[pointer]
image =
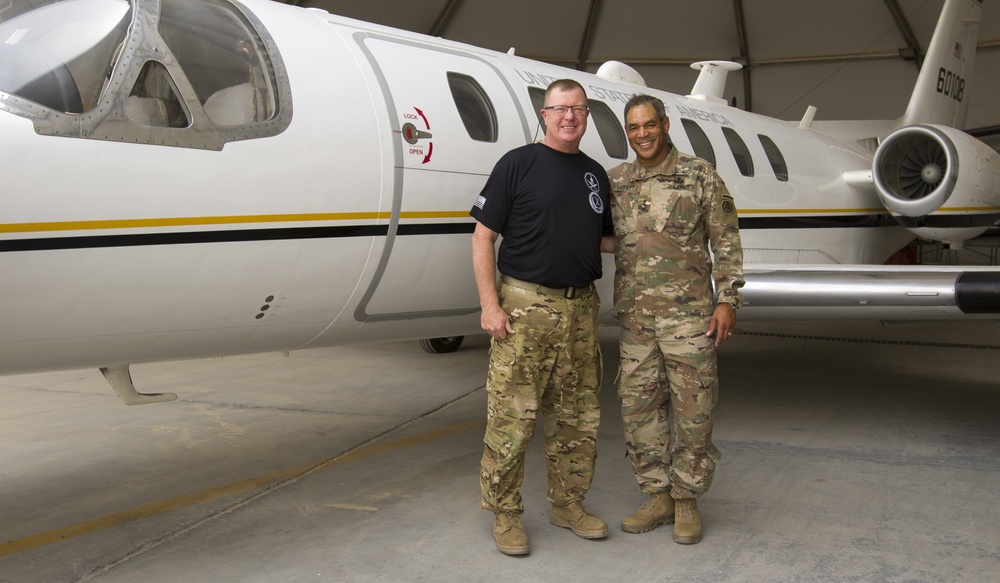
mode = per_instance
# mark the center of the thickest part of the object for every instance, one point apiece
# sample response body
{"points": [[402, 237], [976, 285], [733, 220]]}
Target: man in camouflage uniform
{"points": [[669, 209], [550, 201]]}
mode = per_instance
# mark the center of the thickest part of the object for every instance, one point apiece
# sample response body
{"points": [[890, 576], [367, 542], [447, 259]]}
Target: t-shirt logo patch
{"points": [[480, 202], [596, 203], [595, 188]]}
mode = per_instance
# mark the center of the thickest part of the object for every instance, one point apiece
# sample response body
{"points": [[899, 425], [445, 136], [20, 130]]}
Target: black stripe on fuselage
{"points": [[949, 221], [231, 236], [957, 221], [286, 234], [819, 222]]}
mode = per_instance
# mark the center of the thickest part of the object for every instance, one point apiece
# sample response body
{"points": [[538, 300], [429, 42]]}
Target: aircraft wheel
{"points": [[442, 345]]}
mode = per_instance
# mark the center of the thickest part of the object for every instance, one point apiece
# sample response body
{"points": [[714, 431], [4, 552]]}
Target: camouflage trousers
{"points": [[552, 364], [669, 365]]}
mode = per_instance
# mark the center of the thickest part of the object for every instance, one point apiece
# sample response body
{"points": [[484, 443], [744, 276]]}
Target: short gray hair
{"points": [[643, 99], [564, 85]]}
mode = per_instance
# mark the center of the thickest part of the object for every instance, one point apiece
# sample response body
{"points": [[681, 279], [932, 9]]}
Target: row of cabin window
{"points": [[479, 117], [744, 161]]}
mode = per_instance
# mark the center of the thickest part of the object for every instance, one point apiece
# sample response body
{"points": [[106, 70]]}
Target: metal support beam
{"points": [[741, 34], [443, 17], [903, 24], [588, 34]]}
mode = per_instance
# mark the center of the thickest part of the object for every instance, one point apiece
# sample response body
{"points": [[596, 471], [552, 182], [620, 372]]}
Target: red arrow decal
{"points": [[430, 150], [421, 114]]}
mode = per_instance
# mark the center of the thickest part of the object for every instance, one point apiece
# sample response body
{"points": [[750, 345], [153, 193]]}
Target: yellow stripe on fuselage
{"points": [[120, 224], [226, 220], [964, 209]]}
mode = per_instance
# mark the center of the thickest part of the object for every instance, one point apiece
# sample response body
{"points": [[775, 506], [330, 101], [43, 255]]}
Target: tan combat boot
{"points": [[659, 509], [687, 527], [576, 517], [509, 533]]}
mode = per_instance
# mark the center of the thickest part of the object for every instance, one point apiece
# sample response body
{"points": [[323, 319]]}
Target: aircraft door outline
{"points": [[418, 139]]}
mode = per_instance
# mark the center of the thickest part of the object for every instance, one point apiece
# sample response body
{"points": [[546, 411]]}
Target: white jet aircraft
{"points": [[197, 178]]}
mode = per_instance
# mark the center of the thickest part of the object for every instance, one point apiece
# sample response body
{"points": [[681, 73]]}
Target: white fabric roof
{"points": [[842, 56]]}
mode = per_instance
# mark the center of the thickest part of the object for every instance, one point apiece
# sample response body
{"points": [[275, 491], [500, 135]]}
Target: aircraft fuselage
{"points": [[153, 225]]}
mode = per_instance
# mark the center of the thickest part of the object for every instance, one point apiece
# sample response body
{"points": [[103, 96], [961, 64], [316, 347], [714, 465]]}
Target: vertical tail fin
{"points": [[941, 94]]}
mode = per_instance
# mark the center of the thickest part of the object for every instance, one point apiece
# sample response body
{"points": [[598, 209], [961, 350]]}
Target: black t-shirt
{"points": [[552, 209]]}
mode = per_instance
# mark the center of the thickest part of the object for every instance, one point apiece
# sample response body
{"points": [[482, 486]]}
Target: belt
{"points": [[566, 292]]}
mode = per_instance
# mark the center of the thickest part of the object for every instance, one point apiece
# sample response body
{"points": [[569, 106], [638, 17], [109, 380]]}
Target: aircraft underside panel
{"points": [[823, 245], [169, 301]]}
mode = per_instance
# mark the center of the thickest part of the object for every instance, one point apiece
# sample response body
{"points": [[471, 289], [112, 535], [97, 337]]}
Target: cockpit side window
{"points": [[153, 101], [223, 58]]}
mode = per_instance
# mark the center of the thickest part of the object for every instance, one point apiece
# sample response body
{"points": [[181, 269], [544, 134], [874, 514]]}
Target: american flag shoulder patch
{"points": [[480, 201]]}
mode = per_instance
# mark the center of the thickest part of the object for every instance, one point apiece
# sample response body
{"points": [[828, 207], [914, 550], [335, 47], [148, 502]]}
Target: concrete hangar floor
{"points": [[850, 453]]}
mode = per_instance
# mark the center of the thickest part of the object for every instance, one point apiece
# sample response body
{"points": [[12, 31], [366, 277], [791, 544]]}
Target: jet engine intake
{"points": [[939, 182]]}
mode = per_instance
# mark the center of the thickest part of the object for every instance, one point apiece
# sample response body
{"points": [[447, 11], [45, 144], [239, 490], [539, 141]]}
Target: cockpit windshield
{"points": [[182, 73], [222, 57], [59, 53]]}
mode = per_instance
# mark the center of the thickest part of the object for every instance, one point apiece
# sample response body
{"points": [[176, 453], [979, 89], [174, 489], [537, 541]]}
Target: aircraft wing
{"points": [[885, 292]]}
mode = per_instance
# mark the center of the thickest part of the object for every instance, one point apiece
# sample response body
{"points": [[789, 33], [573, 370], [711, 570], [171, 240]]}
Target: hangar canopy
{"points": [[852, 59]]}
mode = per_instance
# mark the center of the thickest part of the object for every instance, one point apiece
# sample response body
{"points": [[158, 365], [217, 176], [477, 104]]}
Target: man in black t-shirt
{"points": [[550, 201]]}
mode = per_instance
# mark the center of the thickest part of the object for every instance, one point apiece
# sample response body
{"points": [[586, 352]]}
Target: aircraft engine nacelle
{"points": [[938, 182]]}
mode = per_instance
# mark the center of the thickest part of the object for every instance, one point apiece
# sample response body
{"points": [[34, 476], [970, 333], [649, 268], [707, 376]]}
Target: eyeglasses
{"points": [[577, 110]]}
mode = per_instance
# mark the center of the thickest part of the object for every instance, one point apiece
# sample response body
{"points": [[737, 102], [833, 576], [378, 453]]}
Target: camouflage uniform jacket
{"points": [[665, 220]]}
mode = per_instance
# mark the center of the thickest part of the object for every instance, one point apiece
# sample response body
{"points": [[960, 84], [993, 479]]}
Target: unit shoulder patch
{"points": [[728, 204]]}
